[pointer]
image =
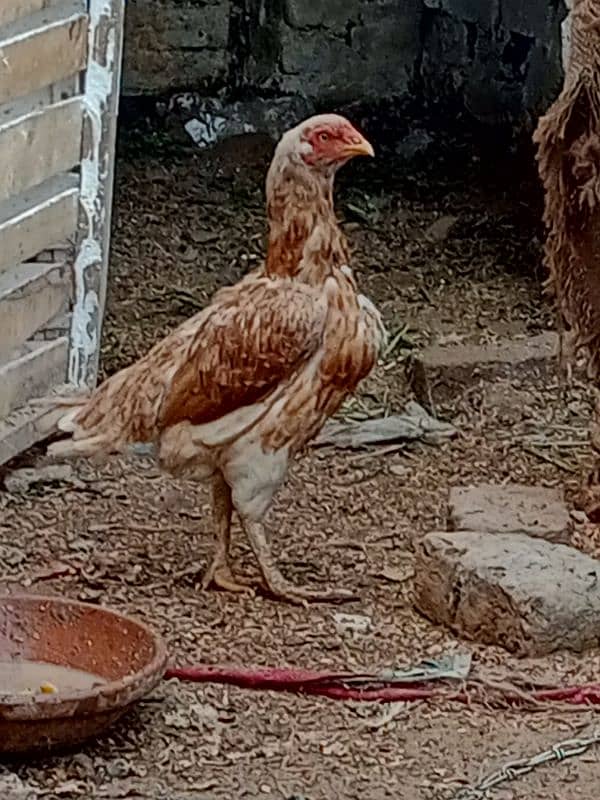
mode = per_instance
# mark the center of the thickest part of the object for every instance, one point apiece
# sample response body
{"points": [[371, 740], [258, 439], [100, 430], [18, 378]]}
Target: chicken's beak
{"points": [[359, 147]]}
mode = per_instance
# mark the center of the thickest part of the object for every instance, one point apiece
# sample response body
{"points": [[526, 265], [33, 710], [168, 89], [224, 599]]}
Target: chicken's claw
{"points": [[276, 585], [221, 576], [299, 595]]}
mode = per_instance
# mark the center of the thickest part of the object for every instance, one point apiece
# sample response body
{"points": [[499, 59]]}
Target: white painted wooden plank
{"points": [[91, 264], [11, 10], [30, 296], [38, 219], [39, 367], [55, 328], [40, 99], [49, 51], [20, 430], [40, 145]]}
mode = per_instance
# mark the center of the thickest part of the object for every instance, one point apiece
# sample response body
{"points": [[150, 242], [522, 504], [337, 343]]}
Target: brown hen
{"points": [[236, 390]]}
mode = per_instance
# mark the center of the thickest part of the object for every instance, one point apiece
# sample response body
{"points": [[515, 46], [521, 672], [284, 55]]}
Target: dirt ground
{"points": [[185, 224]]}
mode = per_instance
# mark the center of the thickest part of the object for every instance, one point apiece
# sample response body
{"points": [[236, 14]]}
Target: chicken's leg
{"points": [[277, 585], [219, 572]]}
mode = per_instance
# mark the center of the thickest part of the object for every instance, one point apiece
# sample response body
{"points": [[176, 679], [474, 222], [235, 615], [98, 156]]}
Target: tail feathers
{"points": [[103, 439], [60, 414], [107, 420], [72, 448], [67, 423], [99, 445]]}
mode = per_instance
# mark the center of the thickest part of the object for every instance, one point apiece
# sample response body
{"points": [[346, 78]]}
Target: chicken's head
{"points": [[325, 142]]}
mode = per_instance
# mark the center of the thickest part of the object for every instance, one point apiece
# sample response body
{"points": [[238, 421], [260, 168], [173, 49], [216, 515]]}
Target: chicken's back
{"points": [[248, 342]]}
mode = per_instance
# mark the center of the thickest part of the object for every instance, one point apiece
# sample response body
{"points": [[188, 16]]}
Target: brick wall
{"points": [[499, 57]]}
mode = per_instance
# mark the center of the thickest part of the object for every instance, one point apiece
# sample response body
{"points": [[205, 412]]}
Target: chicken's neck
{"points": [[305, 240]]}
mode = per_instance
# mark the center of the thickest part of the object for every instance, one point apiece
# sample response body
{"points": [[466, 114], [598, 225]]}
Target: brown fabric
{"points": [[568, 142]]}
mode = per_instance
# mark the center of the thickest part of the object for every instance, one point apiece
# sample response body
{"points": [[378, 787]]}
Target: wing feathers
{"points": [[252, 338]]}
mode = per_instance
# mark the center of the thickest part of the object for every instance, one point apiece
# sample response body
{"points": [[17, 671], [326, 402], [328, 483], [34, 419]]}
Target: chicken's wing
{"points": [[251, 339]]}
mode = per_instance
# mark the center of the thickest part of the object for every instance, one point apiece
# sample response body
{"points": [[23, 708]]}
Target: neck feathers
{"points": [[305, 240]]}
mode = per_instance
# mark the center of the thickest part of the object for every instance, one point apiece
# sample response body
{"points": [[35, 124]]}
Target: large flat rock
{"points": [[535, 510], [442, 372], [527, 595]]}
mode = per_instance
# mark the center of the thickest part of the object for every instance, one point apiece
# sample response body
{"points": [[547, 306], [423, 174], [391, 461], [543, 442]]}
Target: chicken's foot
{"points": [[219, 571], [275, 582]]}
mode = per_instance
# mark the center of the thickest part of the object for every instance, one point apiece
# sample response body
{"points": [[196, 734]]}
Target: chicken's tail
{"points": [[62, 415], [102, 422], [59, 415]]}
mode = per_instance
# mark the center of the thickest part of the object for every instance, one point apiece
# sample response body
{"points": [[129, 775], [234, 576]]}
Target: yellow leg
{"points": [[276, 584], [219, 572]]}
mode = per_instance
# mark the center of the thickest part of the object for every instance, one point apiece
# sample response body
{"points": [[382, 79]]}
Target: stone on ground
{"points": [[442, 372], [527, 595], [534, 510]]}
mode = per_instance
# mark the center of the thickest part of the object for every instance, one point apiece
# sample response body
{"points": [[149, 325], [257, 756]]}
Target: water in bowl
{"points": [[38, 677]]}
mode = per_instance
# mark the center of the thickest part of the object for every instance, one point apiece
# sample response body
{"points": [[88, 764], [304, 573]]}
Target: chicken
{"points": [[234, 392]]}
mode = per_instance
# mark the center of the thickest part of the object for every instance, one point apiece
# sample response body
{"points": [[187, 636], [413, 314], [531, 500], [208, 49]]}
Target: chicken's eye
{"points": [[324, 137]]}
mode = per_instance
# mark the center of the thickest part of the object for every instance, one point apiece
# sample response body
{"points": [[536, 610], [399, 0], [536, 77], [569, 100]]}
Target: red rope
{"points": [[339, 686], [588, 695]]}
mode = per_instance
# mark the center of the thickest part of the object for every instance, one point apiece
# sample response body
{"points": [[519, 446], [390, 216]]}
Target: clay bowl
{"points": [[119, 659]]}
